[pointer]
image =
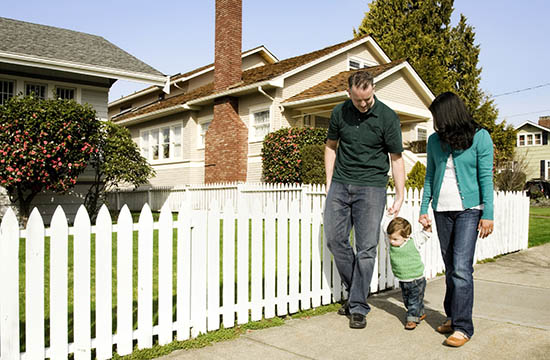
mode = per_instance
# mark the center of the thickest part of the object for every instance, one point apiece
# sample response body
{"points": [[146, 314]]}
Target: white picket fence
{"points": [[201, 196], [288, 268]]}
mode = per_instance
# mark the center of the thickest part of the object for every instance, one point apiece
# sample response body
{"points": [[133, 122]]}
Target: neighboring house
{"points": [[532, 145], [59, 63], [211, 127]]}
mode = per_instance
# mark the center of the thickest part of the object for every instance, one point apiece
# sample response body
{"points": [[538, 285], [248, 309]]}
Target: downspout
{"points": [[261, 91]]}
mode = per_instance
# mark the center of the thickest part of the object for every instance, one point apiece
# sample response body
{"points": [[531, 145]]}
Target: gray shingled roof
{"points": [[53, 43]]}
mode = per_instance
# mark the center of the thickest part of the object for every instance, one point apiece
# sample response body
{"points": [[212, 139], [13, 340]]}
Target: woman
{"points": [[459, 183]]}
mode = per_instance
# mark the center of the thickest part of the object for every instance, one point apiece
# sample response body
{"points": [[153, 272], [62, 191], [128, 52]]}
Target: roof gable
{"points": [[23, 41], [339, 82], [530, 123]]}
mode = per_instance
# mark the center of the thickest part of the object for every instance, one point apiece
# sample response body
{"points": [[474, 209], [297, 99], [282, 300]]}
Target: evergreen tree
{"points": [[445, 57]]}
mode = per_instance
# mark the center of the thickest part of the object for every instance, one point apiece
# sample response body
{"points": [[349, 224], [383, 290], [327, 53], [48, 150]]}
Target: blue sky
{"points": [[178, 36]]}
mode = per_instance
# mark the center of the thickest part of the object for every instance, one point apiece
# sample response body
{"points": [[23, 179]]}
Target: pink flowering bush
{"points": [[281, 153], [44, 145]]}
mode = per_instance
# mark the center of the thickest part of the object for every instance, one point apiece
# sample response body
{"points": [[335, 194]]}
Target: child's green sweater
{"points": [[406, 262]]}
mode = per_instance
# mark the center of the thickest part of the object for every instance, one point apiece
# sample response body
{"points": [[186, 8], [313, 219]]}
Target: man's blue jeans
{"points": [[362, 208], [457, 232]]}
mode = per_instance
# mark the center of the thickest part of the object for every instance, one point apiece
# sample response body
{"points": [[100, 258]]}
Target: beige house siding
{"points": [[399, 89], [98, 99], [529, 129], [253, 61], [364, 53], [254, 173], [303, 80], [533, 155]]}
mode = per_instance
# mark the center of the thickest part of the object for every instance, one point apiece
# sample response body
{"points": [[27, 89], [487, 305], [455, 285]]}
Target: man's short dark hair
{"points": [[361, 79]]}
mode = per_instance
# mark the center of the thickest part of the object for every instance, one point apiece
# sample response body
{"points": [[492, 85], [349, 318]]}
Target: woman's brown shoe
{"points": [[445, 328], [457, 339]]}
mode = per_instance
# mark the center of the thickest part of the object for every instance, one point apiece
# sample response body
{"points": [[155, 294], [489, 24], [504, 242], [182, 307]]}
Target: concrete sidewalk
{"points": [[511, 319]]}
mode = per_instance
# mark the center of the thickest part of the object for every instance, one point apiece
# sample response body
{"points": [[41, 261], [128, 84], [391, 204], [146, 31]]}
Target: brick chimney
{"points": [[544, 121], [226, 147]]}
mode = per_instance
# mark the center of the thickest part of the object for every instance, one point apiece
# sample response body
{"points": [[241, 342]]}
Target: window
{"points": [[307, 121], [39, 90], [203, 127], [356, 63], [163, 143], [6, 90], [421, 134], [529, 139], [316, 121], [260, 125], [321, 122], [64, 93], [176, 142], [521, 141]]}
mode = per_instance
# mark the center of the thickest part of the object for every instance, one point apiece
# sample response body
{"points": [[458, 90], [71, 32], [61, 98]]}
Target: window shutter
{"points": [[545, 138], [542, 169]]}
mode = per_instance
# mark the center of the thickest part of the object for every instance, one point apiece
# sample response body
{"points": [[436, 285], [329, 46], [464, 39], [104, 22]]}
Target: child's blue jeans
{"points": [[413, 297]]}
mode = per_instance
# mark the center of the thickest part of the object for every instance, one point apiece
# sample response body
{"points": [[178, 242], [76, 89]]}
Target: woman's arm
{"points": [[485, 181]]}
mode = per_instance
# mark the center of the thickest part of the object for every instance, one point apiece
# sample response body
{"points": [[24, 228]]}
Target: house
{"points": [[211, 127], [532, 145], [59, 63]]}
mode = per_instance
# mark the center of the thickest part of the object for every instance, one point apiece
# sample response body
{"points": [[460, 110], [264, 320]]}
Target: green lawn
{"points": [[539, 225]]}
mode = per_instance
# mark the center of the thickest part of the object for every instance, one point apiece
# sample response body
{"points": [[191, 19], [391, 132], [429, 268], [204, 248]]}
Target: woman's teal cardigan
{"points": [[474, 173]]}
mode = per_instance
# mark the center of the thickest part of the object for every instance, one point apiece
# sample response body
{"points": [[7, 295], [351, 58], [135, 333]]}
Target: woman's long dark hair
{"points": [[452, 121]]}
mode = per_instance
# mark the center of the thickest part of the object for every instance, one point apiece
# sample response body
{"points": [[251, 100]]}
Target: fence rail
{"points": [[213, 250], [202, 196]]}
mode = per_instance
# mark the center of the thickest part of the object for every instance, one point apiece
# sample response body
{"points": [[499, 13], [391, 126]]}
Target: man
{"points": [[362, 132]]}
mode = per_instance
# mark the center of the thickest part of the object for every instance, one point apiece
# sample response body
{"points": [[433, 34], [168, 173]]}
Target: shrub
{"points": [[44, 145], [281, 153], [415, 178], [313, 164], [510, 180], [417, 146]]}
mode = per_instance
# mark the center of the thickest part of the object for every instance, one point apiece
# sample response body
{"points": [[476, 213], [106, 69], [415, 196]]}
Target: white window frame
{"points": [[252, 122], [30, 83], [2, 93], [526, 136], [65, 89], [363, 63], [547, 170], [201, 137], [173, 143], [308, 121]]}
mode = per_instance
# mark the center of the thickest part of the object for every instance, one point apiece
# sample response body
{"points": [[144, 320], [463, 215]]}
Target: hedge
{"points": [[282, 153]]}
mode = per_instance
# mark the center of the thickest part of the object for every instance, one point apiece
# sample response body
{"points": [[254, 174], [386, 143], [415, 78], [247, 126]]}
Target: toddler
{"points": [[407, 266]]}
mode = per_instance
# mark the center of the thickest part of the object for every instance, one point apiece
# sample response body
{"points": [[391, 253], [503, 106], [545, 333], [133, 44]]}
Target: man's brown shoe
{"points": [[411, 325], [456, 340], [445, 328]]}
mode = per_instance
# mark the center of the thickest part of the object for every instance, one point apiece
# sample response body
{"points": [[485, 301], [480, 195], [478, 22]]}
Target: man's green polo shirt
{"points": [[365, 139]]}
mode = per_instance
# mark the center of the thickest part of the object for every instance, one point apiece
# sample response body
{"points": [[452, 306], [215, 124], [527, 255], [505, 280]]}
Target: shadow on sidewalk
{"points": [[392, 303]]}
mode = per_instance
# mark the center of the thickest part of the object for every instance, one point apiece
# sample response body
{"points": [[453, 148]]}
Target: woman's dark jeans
{"points": [[457, 231], [361, 207]]}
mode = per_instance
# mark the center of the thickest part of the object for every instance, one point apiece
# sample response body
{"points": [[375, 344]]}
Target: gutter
{"points": [[234, 91], [159, 80], [318, 98]]}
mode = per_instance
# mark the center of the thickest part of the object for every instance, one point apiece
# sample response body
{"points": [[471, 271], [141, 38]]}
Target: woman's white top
{"points": [[449, 196]]}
